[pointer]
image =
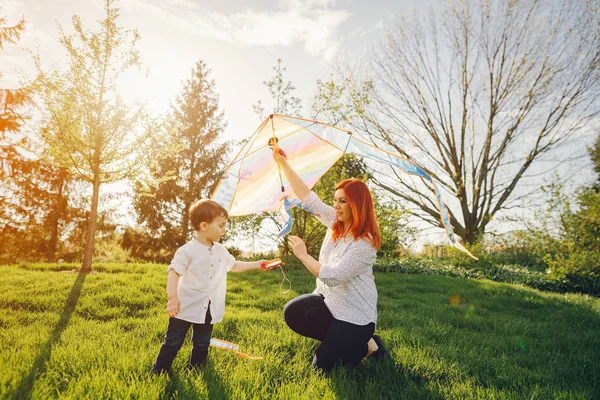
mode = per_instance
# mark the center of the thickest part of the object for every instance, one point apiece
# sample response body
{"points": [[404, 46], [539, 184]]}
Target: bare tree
{"points": [[88, 128], [486, 96]]}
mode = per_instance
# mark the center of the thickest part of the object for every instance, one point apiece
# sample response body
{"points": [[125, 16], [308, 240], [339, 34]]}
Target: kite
{"points": [[254, 183]]}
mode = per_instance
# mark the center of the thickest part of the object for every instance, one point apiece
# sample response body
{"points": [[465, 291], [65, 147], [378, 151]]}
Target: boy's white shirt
{"points": [[203, 278]]}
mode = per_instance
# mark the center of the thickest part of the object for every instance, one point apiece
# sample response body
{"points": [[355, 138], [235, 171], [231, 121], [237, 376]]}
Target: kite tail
{"points": [[222, 344], [462, 248]]}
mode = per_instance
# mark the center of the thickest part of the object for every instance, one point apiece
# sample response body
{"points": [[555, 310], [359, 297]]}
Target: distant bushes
{"points": [[489, 267], [533, 267]]}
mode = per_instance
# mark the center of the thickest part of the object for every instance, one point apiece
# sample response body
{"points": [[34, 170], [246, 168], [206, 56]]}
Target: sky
{"points": [[239, 40]]}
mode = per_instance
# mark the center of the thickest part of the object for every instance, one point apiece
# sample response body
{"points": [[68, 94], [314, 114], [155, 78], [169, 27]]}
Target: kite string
{"points": [[276, 148], [283, 280]]}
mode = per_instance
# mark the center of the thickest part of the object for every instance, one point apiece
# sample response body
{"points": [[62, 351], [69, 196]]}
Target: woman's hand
{"points": [[298, 246], [299, 249], [278, 156], [173, 306]]}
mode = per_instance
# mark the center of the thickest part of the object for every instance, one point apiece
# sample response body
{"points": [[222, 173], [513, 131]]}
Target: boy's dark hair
{"points": [[205, 210]]}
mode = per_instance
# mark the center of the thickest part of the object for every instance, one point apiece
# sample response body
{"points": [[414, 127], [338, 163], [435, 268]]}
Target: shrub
{"points": [[577, 269]]}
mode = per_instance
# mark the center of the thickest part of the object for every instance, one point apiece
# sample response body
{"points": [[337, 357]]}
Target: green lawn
{"points": [[65, 335]]}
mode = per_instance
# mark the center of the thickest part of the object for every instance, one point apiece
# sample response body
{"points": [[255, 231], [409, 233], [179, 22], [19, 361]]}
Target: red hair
{"points": [[363, 223]]}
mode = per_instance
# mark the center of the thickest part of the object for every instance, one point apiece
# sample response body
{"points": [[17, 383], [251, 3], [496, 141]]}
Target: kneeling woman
{"points": [[342, 311]]}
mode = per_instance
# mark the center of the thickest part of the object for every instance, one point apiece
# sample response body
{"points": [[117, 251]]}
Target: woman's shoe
{"points": [[382, 351]]}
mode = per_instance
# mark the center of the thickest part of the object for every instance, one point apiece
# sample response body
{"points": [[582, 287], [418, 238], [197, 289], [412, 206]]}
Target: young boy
{"points": [[196, 285]]}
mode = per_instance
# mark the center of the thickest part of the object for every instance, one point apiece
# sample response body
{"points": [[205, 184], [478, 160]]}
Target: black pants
{"points": [[342, 343], [174, 338]]}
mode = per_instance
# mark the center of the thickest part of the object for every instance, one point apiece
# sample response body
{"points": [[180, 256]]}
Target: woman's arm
{"points": [[299, 249], [300, 188]]}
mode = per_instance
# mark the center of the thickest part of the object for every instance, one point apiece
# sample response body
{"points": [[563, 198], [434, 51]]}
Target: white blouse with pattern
{"points": [[346, 279]]}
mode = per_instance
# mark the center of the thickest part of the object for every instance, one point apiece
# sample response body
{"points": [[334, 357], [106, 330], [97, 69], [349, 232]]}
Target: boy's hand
{"points": [[267, 265], [173, 306], [262, 264]]}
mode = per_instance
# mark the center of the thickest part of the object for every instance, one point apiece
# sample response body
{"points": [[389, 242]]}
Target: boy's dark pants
{"points": [[174, 338]]}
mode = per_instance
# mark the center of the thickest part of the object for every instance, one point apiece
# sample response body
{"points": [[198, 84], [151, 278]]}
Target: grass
{"points": [[66, 335]]}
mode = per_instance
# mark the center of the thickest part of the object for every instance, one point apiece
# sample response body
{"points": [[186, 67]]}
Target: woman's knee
{"points": [[292, 312], [297, 307]]}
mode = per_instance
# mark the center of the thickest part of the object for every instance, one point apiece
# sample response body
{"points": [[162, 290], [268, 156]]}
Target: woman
{"points": [[342, 311]]}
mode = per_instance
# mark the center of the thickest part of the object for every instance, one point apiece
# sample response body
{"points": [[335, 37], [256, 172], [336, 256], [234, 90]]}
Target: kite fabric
{"points": [[253, 182], [222, 344]]}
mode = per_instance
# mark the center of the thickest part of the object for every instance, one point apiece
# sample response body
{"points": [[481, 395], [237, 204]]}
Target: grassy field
{"points": [[66, 335]]}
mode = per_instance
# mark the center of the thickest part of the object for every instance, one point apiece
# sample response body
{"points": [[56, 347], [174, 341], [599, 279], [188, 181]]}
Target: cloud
{"points": [[310, 23]]}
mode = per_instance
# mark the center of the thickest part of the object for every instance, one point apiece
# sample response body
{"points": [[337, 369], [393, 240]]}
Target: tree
{"points": [[595, 155], [576, 257], [35, 194], [10, 121], [89, 129], [281, 94], [582, 226], [11, 100], [39, 194], [187, 168], [480, 96]]}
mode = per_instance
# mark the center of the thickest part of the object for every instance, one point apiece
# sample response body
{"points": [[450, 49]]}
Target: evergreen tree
{"points": [[10, 100], [186, 172]]}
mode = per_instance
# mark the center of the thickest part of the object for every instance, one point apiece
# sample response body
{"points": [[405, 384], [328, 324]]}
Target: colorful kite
{"points": [[253, 182]]}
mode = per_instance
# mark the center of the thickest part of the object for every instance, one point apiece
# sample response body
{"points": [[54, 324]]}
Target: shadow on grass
{"points": [[216, 388], [380, 379], [25, 385], [501, 339], [182, 385]]}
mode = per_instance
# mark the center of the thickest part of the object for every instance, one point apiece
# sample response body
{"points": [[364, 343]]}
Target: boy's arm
{"points": [[173, 304], [241, 266]]}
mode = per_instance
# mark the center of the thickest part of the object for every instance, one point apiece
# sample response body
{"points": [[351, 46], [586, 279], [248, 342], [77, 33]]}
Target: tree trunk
{"points": [[88, 254], [58, 214], [185, 217]]}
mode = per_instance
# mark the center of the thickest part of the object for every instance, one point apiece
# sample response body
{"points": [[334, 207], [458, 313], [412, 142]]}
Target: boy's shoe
{"points": [[195, 367], [382, 351], [154, 371]]}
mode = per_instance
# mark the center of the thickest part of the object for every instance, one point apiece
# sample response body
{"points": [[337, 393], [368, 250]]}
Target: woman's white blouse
{"points": [[346, 278]]}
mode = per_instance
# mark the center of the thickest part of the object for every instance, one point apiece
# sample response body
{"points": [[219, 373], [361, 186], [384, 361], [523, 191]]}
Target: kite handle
{"points": [[274, 263]]}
